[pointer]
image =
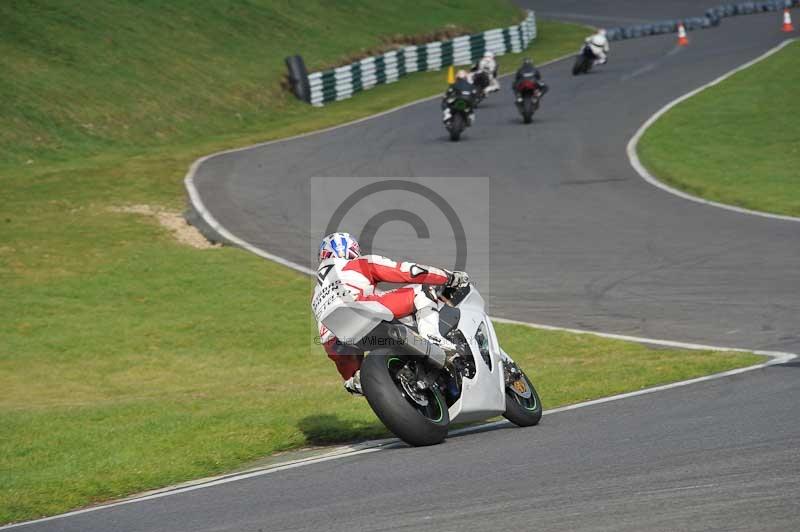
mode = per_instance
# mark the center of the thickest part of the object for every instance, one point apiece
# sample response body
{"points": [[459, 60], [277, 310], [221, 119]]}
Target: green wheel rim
{"points": [[441, 410]]}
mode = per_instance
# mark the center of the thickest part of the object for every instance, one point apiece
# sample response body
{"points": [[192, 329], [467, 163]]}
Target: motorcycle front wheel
{"points": [[523, 406], [416, 416]]}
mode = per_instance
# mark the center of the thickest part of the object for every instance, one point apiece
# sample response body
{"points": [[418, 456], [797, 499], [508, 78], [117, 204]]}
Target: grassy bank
{"points": [[737, 142], [129, 361]]}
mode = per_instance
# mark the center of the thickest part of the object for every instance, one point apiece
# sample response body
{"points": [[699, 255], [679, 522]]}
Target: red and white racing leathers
{"points": [[362, 276]]}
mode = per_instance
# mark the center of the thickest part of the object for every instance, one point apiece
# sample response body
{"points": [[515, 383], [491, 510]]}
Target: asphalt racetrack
{"points": [[578, 240]]}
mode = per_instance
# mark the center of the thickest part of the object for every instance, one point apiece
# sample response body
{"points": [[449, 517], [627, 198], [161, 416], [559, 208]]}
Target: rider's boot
{"points": [[353, 384], [446, 114]]}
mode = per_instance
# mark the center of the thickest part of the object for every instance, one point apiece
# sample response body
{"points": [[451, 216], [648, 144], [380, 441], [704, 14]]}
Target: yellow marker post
{"points": [[451, 75]]}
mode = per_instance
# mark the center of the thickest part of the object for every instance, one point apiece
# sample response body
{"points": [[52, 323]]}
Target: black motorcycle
{"points": [[460, 105]]}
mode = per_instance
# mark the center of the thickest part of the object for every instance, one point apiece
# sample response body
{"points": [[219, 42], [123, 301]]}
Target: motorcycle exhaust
{"points": [[412, 343]]}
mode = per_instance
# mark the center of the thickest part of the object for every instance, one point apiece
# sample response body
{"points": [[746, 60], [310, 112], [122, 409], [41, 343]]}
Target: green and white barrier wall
{"points": [[343, 82]]}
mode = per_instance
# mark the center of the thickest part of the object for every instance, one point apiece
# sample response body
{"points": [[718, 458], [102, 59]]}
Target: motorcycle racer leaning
{"points": [[361, 275], [528, 71], [598, 44], [488, 64], [464, 88]]}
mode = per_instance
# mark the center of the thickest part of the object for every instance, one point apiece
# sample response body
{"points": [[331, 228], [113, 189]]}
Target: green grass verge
{"points": [[128, 361], [737, 142]]}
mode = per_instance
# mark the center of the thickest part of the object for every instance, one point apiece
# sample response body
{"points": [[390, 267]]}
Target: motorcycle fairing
{"points": [[483, 395]]}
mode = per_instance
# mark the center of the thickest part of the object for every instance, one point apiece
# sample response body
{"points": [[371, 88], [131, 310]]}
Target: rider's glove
{"points": [[457, 279]]}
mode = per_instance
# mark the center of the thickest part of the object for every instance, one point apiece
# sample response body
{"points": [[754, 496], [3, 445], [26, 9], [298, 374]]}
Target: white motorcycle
{"points": [[412, 385]]}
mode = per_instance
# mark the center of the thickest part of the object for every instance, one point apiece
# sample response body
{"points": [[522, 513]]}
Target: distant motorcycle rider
{"points": [[528, 71], [360, 275], [488, 64], [598, 44], [463, 88]]}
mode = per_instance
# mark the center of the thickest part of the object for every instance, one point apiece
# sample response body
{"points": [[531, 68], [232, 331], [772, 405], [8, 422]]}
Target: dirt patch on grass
{"points": [[174, 221]]}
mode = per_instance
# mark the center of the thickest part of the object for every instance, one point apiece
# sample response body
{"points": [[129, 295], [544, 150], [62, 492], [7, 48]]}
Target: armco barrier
{"points": [[713, 17], [343, 82]]}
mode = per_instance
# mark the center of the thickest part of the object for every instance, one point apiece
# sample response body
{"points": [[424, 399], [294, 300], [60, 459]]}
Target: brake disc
{"points": [[413, 391]]}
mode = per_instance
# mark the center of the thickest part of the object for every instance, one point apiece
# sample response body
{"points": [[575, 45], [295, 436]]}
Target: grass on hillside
{"points": [[737, 142], [128, 361], [89, 77]]}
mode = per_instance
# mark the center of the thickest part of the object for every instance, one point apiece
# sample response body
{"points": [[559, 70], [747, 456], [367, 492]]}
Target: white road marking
{"points": [[647, 176], [679, 488], [638, 72], [651, 66]]}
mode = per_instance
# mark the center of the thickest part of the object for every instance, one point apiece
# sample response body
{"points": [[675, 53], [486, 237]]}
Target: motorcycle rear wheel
{"points": [[577, 68], [418, 421], [582, 65], [523, 411], [456, 127], [527, 110]]}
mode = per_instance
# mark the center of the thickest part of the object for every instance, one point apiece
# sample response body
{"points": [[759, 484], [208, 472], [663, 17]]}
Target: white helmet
{"points": [[488, 55], [339, 245], [602, 32]]}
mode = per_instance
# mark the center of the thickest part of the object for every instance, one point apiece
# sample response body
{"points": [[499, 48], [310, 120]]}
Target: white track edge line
{"points": [[637, 165], [779, 357]]}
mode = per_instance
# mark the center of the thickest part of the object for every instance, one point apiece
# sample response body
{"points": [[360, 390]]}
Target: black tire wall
{"points": [[298, 77]]}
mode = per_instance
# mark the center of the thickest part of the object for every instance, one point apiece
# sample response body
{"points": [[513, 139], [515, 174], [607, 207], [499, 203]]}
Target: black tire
{"points": [[582, 65], [577, 68], [520, 411], [456, 126], [408, 421], [527, 110], [298, 78]]}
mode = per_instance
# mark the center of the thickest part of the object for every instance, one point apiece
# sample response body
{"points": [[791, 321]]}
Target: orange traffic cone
{"points": [[683, 40], [787, 21]]}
